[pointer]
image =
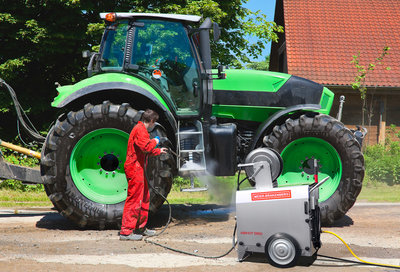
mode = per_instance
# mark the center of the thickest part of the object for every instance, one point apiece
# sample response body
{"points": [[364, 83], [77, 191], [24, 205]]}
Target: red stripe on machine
{"points": [[271, 195]]}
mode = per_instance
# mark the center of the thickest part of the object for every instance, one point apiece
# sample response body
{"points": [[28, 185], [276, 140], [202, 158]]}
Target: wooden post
{"points": [[382, 120]]}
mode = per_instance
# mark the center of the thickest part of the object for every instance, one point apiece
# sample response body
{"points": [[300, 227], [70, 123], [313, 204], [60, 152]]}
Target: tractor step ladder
{"points": [[191, 149]]}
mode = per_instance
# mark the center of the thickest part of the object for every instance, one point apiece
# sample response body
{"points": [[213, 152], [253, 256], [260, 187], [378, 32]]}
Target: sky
{"points": [[268, 8]]}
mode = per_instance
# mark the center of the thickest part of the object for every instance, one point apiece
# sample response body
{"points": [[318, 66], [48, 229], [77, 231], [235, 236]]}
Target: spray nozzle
{"points": [[165, 142]]}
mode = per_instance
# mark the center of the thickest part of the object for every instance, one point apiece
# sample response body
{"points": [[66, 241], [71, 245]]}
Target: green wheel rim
{"points": [[298, 165], [97, 165]]}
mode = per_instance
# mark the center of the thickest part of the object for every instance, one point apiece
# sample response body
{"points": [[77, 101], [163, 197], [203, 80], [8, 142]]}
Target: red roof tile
{"points": [[323, 35]]}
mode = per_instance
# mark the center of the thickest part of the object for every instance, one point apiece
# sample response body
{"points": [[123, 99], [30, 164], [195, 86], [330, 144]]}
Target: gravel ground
{"points": [[39, 239]]}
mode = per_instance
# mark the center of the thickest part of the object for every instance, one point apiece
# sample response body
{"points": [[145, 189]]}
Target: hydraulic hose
{"points": [[351, 251], [146, 239], [29, 127]]}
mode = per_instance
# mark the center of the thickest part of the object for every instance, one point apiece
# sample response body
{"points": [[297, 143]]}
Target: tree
{"points": [[259, 65], [41, 43], [360, 83]]}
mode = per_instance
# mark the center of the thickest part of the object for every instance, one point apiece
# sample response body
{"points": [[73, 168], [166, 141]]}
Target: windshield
{"points": [[162, 51], [113, 47]]}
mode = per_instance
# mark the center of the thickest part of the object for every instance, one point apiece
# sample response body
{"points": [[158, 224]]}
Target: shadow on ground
{"points": [[191, 214], [181, 214]]}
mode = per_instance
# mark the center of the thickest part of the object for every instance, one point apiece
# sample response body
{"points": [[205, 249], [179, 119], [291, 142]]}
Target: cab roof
{"points": [[178, 17]]}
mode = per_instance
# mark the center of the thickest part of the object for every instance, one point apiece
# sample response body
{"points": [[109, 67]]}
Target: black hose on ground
{"points": [[146, 239]]}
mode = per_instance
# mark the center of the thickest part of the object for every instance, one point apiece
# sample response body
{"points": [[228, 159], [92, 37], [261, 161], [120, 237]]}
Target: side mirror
{"points": [[216, 32], [195, 89]]}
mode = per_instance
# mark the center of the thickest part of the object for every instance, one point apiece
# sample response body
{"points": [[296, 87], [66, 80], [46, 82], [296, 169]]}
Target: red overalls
{"points": [[137, 202]]}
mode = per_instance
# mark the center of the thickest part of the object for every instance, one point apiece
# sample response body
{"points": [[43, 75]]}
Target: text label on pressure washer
{"points": [[283, 194]]}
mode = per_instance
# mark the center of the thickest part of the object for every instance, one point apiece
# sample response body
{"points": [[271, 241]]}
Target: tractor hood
{"points": [[252, 95]]}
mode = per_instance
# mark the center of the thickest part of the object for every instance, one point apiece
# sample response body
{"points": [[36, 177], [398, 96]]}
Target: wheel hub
{"points": [[282, 251], [307, 166], [109, 162]]}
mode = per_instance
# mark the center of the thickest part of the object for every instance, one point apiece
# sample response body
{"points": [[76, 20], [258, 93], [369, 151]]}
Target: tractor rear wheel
{"points": [[83, 158], [321, 137]]}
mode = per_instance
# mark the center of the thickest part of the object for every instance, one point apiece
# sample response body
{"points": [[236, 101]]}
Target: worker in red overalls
{"points": [[136, 209]]}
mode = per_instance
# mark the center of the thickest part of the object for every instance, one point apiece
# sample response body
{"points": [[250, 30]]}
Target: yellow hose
{"points": [[21, 149], [351, 251]]}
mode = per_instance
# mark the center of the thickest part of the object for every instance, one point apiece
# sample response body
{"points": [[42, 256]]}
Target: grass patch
{"points": [[12, 198], [221, 191], [177, 197], [380, 192]]}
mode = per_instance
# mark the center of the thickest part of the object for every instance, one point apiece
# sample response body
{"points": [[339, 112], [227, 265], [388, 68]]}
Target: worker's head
{"points": [[149, 117]]}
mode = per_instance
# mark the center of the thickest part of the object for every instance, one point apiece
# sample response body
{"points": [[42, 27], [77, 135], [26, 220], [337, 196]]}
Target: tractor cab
{"points": [[160, 49]]}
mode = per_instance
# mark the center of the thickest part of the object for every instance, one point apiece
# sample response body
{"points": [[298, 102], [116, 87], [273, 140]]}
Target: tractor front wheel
{"points": [[320, 137], [83, 160]]}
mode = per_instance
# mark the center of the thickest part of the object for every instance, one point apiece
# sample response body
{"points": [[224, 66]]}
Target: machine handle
{"points": [[319, 184]]}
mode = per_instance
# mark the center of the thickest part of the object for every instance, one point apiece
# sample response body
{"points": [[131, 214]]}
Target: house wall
{"points": [[385, 111]]}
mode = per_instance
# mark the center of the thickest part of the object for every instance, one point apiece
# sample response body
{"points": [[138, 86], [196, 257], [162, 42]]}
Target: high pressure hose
{"points": [[351, 251], [146, 239], [29, 127]]}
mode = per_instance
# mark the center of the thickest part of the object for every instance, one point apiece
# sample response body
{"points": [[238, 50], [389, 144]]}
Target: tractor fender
{"points": [[157, 99], [278, 118]]}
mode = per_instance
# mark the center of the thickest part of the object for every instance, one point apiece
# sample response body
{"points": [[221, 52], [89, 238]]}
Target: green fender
{"points": [[69, 93], [275, 119], [112, 81]]}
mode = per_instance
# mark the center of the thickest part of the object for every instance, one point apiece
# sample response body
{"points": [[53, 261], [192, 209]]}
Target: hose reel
{"points": [[260, 155]]}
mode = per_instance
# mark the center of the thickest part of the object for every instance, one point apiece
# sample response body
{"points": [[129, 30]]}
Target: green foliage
{"points": [[361, 77], [259, 65], [382, 162], [363, 70], [18, 186]]}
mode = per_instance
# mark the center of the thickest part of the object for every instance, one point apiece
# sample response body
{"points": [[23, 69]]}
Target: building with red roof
{"points": [[320, 39]]}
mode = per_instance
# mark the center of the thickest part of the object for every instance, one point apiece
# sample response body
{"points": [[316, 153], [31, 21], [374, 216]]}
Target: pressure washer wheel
{"points": [[282, 250], [83, 160]]}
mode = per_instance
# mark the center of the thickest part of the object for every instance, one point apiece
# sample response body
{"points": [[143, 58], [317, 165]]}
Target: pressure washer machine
{"points": [[284, 222]]}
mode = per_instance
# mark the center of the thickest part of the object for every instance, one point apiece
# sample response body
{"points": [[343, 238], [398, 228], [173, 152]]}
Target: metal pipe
{"points": [[21, 149], [341, 102]]}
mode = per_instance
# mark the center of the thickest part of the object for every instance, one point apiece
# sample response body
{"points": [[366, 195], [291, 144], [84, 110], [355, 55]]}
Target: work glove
{"points": [[158, 142]]}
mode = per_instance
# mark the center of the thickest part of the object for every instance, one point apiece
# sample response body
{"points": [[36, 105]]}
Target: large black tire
{"points": [[343, 141], [55, 164]]}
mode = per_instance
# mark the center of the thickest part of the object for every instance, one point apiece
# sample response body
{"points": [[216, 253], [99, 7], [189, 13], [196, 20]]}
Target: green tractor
{"points": [[212, 118]]}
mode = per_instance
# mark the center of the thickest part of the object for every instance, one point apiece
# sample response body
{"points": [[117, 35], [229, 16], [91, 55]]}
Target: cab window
{"points": [[162, 51], [113, 47]]}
